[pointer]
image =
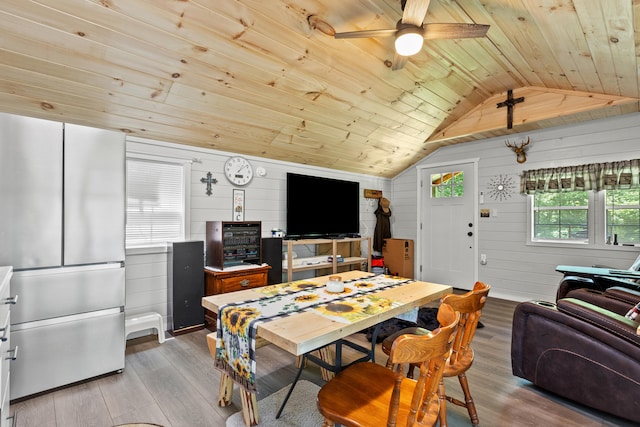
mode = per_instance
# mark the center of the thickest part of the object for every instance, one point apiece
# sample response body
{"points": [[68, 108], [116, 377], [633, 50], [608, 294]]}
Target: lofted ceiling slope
{"points": [[268, 79]]}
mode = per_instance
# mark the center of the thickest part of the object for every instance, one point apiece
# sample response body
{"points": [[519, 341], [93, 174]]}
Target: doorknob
{"points": [[470, 234]]}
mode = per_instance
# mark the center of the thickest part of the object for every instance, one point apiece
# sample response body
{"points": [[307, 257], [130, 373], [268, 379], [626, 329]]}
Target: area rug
{"points": [[427, 318], [300, 411], [138, 425]]}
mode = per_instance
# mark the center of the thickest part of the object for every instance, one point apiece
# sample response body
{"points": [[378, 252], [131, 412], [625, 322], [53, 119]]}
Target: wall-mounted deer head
{"points": [[520, 150]]}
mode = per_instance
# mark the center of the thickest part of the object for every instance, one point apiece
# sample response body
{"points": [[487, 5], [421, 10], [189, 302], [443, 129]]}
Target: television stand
{"points": [[319, 262]]}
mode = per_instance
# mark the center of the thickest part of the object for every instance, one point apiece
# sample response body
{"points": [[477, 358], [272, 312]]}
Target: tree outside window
{"points": [[447, 184], [561, 216], [623, 215]]}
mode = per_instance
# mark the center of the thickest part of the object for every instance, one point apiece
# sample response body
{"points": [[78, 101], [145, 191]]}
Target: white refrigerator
{"points": [[62, 228]]}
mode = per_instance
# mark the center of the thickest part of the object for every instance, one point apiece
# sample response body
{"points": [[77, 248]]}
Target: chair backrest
{"points": [[469, 305], [430, 352]]}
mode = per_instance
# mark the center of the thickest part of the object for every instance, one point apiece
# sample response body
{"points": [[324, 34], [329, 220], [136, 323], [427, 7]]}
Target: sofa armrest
{"points": [[595, 278], [614, 323], [569, 283], [578, 351], [626, 295], [605, 300], [539, 326]]}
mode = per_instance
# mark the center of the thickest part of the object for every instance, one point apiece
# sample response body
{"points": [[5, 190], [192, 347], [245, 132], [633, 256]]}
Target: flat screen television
{"points": [[322, 207]]}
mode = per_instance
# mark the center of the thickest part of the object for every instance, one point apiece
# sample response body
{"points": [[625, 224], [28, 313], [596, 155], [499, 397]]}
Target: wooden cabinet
{"points": [[329, 260], [221, 281]]}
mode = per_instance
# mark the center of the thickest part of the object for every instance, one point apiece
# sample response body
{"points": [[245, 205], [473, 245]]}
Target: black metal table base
{"points": [[369, 354]]}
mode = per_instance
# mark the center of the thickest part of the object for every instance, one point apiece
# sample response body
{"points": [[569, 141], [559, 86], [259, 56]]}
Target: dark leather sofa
{"points": [[582, 348], [597, 277]]}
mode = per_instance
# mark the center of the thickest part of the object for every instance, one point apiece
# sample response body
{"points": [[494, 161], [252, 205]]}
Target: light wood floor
{"points": [[176, 385]]}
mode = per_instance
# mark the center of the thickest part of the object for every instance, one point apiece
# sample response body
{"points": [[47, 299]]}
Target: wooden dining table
{"points": [[307, 331]]}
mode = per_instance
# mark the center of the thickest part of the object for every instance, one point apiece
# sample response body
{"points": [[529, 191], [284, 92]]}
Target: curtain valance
{"points": [[595, 176]]}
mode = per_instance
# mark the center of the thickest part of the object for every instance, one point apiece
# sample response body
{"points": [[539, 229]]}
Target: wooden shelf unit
{"points": [[290, 268]]}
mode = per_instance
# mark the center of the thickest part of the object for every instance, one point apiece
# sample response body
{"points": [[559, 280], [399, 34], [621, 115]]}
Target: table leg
{"points": [[226, 390], [326, 355], [249, 408], [249, 400], [300, 360]]}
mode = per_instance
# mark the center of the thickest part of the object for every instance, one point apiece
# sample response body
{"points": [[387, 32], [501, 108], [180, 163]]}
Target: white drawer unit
{"points": [[68, 326], [52, 352]]}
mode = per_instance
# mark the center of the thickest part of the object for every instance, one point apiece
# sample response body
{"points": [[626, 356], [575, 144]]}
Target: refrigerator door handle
{"points": [[15, 354], [5, 329], [12, 300]]}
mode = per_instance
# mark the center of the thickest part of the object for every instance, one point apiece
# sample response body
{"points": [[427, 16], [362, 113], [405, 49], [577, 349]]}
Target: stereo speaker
{"points": [[272, 255], [186, 286]]}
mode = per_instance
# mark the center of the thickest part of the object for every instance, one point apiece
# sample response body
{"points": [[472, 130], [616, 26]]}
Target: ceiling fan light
{"points": [[409, 41]]}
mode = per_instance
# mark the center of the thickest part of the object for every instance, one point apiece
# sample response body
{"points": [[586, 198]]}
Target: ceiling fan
{"points": [[410, 31]]}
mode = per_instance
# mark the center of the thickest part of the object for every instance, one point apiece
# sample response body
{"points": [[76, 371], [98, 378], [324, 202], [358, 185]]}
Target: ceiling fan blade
{"points": [[454, 31], [365, 33], [399, 61], [415, 11]]}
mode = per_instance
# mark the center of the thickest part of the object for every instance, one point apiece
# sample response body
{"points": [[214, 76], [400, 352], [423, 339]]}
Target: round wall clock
{"points": [[238, 170], [501, 187]]}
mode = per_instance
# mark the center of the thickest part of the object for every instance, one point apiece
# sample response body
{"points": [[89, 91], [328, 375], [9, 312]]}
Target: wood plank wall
{"points": [[515, 270], [265, 200]]}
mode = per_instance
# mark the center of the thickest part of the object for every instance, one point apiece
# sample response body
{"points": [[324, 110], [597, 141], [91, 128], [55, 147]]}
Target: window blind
{"points": [[155, 203]]}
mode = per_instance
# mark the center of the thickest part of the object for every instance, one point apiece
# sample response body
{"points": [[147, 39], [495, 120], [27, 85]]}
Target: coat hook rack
{"points": [[372, 194], [209, 180]]}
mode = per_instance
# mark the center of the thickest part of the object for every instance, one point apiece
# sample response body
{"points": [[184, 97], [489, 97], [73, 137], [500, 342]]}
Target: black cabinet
{"points": [[186, 285], [233, 243]]}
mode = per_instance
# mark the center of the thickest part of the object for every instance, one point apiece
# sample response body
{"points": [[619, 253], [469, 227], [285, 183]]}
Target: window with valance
{"points": [[620, 175], [567, 202]]}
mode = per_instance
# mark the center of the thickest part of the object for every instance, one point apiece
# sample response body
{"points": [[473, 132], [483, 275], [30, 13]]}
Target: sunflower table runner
{"points": [[238, 322]]}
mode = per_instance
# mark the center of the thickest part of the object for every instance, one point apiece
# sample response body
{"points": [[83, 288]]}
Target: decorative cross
{"points": [[209, 180], [510, 102]]}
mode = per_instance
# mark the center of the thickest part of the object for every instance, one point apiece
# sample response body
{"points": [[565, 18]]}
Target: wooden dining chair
{"points": [[470, 306], [365, 394]]}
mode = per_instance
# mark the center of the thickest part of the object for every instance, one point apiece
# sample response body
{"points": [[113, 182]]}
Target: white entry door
{"points": [[448, 224]]}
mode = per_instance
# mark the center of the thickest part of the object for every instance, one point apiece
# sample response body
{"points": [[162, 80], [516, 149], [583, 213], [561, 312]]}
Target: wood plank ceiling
{"points": [[266, 78]]}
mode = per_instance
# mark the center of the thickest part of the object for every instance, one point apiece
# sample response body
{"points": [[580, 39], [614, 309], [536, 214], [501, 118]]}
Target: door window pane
{"points": [[447, 184]]}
